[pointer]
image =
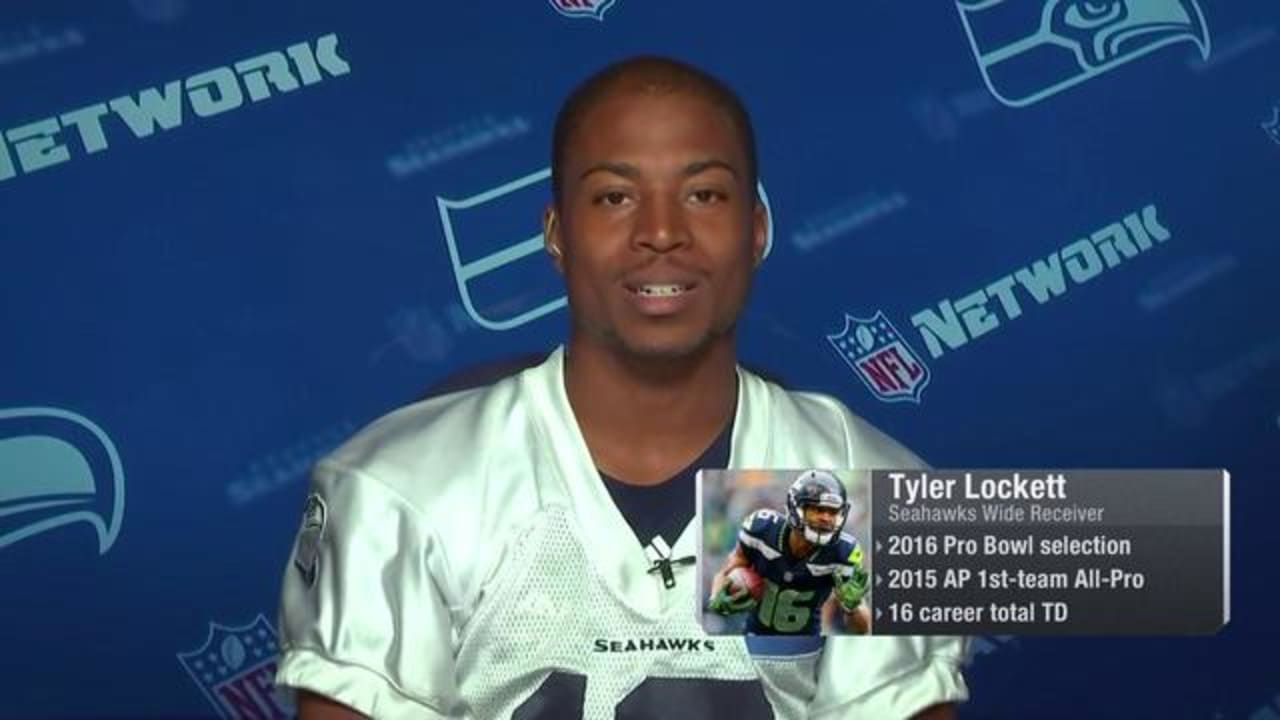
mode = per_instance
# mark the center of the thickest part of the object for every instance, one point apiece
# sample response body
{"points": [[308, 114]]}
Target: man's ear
{"points": [[759, 231], [551, 236]]}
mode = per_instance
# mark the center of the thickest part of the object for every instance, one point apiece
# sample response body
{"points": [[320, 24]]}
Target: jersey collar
{"points": [[617, 557]]}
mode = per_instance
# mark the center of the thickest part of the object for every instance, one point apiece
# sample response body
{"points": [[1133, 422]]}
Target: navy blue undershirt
{"points": [[666, 508]]}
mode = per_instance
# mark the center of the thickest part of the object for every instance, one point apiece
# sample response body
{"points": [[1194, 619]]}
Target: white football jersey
{"points": [[461, 558]]}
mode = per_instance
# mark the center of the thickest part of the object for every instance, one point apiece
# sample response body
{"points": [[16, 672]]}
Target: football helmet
{"points": [[821, 488]]}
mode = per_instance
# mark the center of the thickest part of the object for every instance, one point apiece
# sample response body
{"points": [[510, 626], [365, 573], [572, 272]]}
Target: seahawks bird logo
{"points": [[57, 468], [594, 9], [1272, 127], [1029, 50]]}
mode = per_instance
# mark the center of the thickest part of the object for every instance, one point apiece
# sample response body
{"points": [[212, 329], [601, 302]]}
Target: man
{"points": [[802, 558], [521, 550]]}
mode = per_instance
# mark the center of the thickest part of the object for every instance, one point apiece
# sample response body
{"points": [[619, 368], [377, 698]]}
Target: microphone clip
{"points": [[659, 554]]}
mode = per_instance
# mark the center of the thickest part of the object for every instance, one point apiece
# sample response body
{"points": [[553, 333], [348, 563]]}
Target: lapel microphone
{"points": [[659, 554]]}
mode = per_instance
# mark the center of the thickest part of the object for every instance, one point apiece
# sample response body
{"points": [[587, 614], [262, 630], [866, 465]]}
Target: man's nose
{"points": [[660, 226]]}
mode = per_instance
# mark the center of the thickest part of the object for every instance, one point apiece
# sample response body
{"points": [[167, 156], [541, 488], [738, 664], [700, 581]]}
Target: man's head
{"points": [[817, 505], [655, 222], [648, 74], [821, 517]]}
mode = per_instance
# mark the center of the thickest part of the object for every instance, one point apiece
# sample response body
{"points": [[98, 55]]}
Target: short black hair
{"points": [[648, 73]]}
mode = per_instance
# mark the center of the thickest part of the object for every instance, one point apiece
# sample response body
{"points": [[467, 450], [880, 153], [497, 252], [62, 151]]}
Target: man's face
{"points": [[658, 223], [822, 519]]}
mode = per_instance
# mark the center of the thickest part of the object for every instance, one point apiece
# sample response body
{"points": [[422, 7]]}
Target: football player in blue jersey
{"points": [[810, 569]]}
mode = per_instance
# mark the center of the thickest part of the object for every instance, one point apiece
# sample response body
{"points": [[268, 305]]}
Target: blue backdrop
{"points": [[233, 234]]}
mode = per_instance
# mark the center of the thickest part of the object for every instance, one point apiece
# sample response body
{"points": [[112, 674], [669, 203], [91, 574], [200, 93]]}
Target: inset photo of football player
{"points": [[781, 552]]}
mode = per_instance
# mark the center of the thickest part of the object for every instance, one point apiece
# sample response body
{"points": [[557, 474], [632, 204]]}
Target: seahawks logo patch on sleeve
{"points": [[314, 514]]}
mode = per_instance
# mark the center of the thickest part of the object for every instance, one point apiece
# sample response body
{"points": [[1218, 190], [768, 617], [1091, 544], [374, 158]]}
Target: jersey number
{"points": [[772, 516], [562, 696], [784, 610]]}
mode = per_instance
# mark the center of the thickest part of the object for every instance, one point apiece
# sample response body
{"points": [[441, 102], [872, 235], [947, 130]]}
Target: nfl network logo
{"points": [[877, 354], [1029, 50], [582, 8], [235, 669]]}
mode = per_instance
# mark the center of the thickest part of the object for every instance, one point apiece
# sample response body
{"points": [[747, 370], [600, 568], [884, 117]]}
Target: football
{"points": [[744, 577]]}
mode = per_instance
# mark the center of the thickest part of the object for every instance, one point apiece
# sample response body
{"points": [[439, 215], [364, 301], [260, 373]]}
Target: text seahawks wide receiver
{"points": [[802, 557], [517, 551]]}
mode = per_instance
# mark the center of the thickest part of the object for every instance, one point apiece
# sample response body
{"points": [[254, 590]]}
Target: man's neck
{"points": [[645, 419], [798, 545]]}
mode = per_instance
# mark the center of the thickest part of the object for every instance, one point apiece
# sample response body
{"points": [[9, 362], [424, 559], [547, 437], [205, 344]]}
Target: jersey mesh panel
{"points": [[545, 609]]}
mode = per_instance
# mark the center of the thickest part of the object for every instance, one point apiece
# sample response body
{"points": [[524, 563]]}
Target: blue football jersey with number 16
{"points": [[795, 588]]}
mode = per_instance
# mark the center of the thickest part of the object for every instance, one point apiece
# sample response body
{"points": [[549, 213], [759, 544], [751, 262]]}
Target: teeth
{"points": [[660, 290]]}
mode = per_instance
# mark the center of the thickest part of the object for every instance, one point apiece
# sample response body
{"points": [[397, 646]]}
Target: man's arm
{"points": [[736, 559], [945, 711], [849, 593], [318, 707], [720, 601], [365, 566], [857, 621]]}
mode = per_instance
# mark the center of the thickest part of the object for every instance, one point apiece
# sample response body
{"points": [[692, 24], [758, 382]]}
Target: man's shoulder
{"points": [[763, 523], [815, 419], [843, 550], [434, 443]]}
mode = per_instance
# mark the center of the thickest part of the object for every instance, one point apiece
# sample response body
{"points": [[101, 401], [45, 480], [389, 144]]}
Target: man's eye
{"points": [[706, 197], [613, 198]]}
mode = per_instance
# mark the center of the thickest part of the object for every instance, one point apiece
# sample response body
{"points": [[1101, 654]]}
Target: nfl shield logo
{"points": [[879, 356], [235, 669], [582, 8]]}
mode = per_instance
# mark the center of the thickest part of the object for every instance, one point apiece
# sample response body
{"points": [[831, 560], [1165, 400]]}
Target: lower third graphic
{"points": [[876, 352]]}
